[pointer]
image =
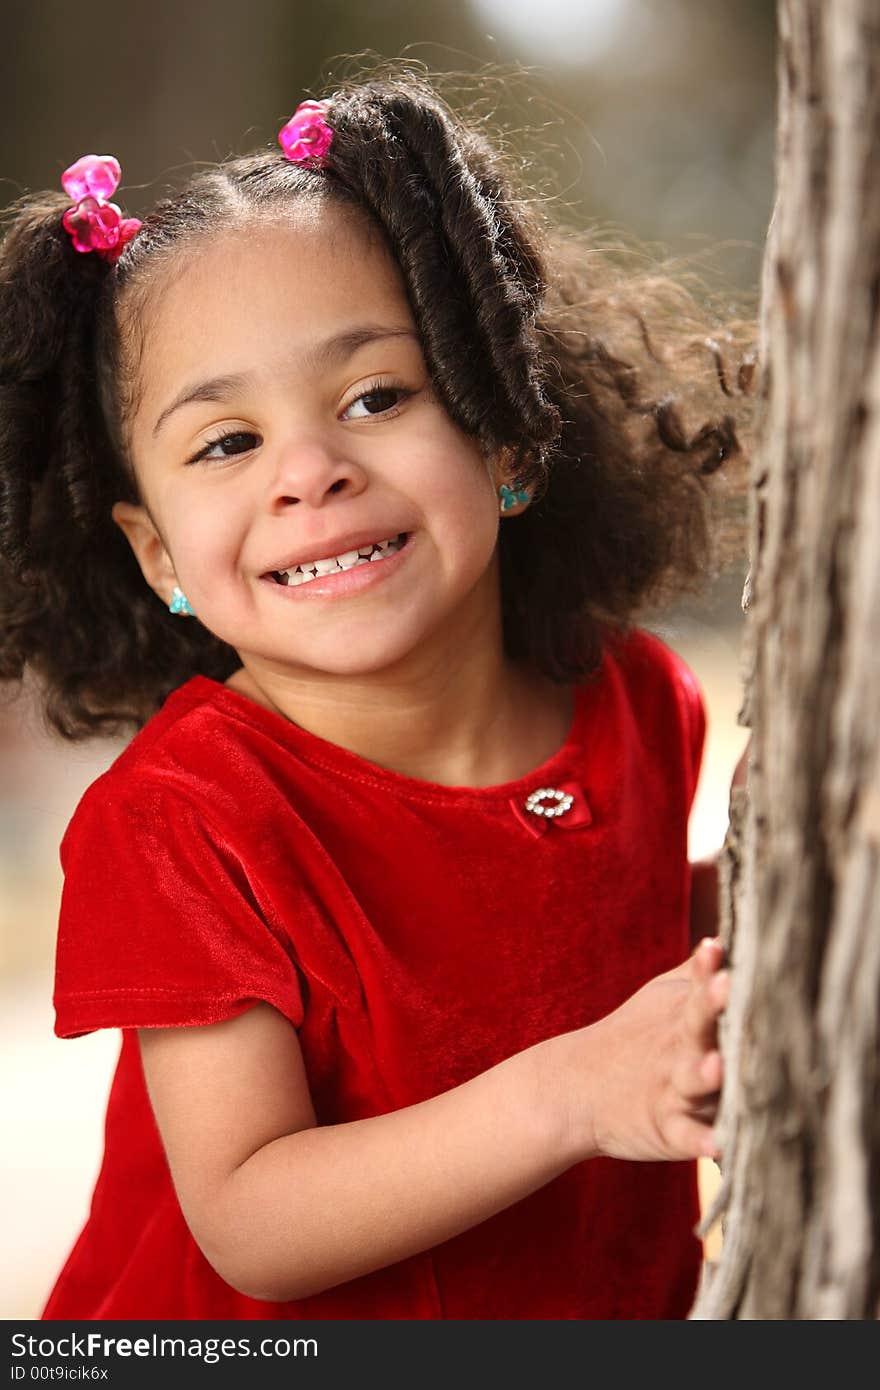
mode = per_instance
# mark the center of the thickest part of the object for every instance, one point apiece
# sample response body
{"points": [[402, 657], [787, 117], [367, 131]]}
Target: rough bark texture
{"points": [[800, 1119]]}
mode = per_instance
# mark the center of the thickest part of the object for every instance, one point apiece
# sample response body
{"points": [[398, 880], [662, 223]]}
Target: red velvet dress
{"points": [[415, 935]]}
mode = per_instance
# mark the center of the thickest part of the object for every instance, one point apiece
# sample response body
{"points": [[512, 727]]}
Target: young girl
{"points": [[316, 477]]}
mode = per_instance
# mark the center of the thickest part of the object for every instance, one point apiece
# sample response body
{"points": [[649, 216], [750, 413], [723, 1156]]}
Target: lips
{"points": [[334, 547], [340, 564], [333, 581]]}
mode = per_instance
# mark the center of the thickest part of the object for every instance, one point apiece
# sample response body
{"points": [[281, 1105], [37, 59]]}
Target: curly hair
{"points": [[522, 328]]}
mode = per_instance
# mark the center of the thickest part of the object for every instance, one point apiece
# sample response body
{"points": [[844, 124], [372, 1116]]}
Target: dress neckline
{"points": [[321, 753]]}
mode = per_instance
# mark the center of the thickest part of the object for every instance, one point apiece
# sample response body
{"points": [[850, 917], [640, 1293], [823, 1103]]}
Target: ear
{"points": [[500, 464], [512, 502], [149, 549]]}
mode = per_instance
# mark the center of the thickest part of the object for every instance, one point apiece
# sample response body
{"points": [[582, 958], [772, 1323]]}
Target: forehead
{"points": [[265, 289]]}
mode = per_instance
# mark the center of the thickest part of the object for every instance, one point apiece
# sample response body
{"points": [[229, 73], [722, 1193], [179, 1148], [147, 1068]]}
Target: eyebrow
{"points": [[321, 355]]}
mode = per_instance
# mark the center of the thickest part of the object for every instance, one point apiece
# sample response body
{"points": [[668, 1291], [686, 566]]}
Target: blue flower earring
{"points": [[180, 603], [509, 498]]}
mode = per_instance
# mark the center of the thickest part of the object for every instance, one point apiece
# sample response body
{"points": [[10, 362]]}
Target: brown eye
{"points": [[376, 401], [238, 442]]}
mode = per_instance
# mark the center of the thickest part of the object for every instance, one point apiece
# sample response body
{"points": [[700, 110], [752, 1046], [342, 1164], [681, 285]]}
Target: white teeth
{"points": [[315, 569]]}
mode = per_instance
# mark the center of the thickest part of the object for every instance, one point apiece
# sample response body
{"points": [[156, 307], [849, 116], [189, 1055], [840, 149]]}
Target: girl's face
{"points": [[286, 416]]}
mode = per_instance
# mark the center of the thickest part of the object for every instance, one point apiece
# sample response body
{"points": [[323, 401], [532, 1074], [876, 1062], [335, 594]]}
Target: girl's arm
{"points": [[284, 1208]]}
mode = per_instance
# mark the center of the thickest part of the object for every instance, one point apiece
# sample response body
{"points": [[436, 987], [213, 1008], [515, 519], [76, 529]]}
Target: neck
{"points": [[457, 713]]}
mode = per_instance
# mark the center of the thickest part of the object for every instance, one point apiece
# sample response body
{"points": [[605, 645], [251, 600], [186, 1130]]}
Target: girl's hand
{"points": [[653, 1068]]}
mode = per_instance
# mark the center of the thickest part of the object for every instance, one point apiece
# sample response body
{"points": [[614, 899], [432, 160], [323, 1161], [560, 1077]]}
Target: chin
{"points": [[361, 655], [351, 664]]}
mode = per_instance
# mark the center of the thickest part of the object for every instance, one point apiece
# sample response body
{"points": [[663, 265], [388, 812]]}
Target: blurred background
{"points": [[652, 116]]}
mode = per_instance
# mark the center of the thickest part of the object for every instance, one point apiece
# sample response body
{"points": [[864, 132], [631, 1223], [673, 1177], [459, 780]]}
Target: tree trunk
{"points": [[800, 910]]}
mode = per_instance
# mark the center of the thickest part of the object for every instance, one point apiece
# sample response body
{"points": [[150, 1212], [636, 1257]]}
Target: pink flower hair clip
{"points": [[306, 137], [94, 223]]}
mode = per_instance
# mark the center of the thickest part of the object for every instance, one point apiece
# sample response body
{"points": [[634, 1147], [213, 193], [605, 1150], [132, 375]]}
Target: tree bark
{"points": [[800, 883]]}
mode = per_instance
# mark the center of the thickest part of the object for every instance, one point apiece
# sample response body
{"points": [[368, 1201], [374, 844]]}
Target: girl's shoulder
{"points": [[185, 755], [662, 692], [182, 718], [643, 658]]}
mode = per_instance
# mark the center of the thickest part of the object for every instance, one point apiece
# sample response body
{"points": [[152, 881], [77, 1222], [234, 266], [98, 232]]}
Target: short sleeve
{"points": [[160, 922]]}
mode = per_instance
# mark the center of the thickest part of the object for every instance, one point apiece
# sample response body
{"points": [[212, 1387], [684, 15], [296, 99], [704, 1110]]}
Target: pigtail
{"points": [[42, 308], [74, 607]]}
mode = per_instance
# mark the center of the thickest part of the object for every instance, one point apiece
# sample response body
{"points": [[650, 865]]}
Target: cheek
{"points": [[466, 537], [469, 509], [206, 541], [455, 481]]}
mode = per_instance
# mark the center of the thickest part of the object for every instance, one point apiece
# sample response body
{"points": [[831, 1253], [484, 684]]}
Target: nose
{"points": [[309, 470]]}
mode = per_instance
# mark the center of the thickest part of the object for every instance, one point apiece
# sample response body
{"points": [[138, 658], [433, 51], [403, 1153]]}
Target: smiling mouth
{"points": [[351, 559]]}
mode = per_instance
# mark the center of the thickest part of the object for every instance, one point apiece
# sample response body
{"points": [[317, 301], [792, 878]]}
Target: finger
{"points": [[707, 958], [704, 1004], [712, 1147], [690, 1138], [697, 1067], [711, 1070], [698, 1075], [718, 991], [705, 1106]]}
